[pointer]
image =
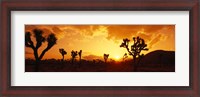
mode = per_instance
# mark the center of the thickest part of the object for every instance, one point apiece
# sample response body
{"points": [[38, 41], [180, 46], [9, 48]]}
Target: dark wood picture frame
{"points": [[193, 90]]}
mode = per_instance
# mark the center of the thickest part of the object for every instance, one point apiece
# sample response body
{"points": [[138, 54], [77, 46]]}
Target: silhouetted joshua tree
{"points": [[51, 39], [63, 53], [135, 50], [73, 54], [125, 56], [106, 57], [80, 54]]}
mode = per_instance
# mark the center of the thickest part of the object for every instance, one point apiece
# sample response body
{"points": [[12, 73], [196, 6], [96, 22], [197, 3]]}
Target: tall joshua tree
{"points": [[106, 57], [80, 54], [38, 35], [63, 53], [135, 50], [73, 54]]}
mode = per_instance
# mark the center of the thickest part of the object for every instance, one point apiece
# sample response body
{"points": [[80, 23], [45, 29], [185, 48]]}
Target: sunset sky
{"points": [[95, 40]]}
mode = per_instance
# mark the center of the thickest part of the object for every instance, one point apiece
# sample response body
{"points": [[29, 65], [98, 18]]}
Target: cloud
{"points": [[80, 32], [152, 34], [86, 30], [59, 33], [128, 31], [92, 57], [155, 40], [47, 29]]}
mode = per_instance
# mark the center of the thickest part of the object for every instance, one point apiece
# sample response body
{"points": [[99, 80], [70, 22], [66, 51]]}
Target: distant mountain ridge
{"points": [[159, 57]]}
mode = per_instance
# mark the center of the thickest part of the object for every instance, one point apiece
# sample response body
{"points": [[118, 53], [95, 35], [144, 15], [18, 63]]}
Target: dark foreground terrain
{"points": [[157, 61]]}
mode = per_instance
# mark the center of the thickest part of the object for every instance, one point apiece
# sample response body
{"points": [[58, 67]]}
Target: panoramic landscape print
{"points": [[99, 48]]}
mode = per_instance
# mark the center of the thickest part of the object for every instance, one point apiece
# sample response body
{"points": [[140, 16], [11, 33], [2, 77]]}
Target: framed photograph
{"points": [[137, 48]]}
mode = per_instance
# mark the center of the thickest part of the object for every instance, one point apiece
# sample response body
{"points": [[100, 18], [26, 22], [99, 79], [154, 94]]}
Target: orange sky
{"points": [[95, 40]]}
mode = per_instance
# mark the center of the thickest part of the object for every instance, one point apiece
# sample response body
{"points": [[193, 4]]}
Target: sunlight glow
{"points": [[117, 57]]}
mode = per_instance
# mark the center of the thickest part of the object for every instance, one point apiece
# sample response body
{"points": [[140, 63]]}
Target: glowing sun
{"points": [[117, 57]]}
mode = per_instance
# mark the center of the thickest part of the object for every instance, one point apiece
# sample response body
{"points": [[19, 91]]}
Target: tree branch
{"points": [[43, 52], [28, 41]]}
